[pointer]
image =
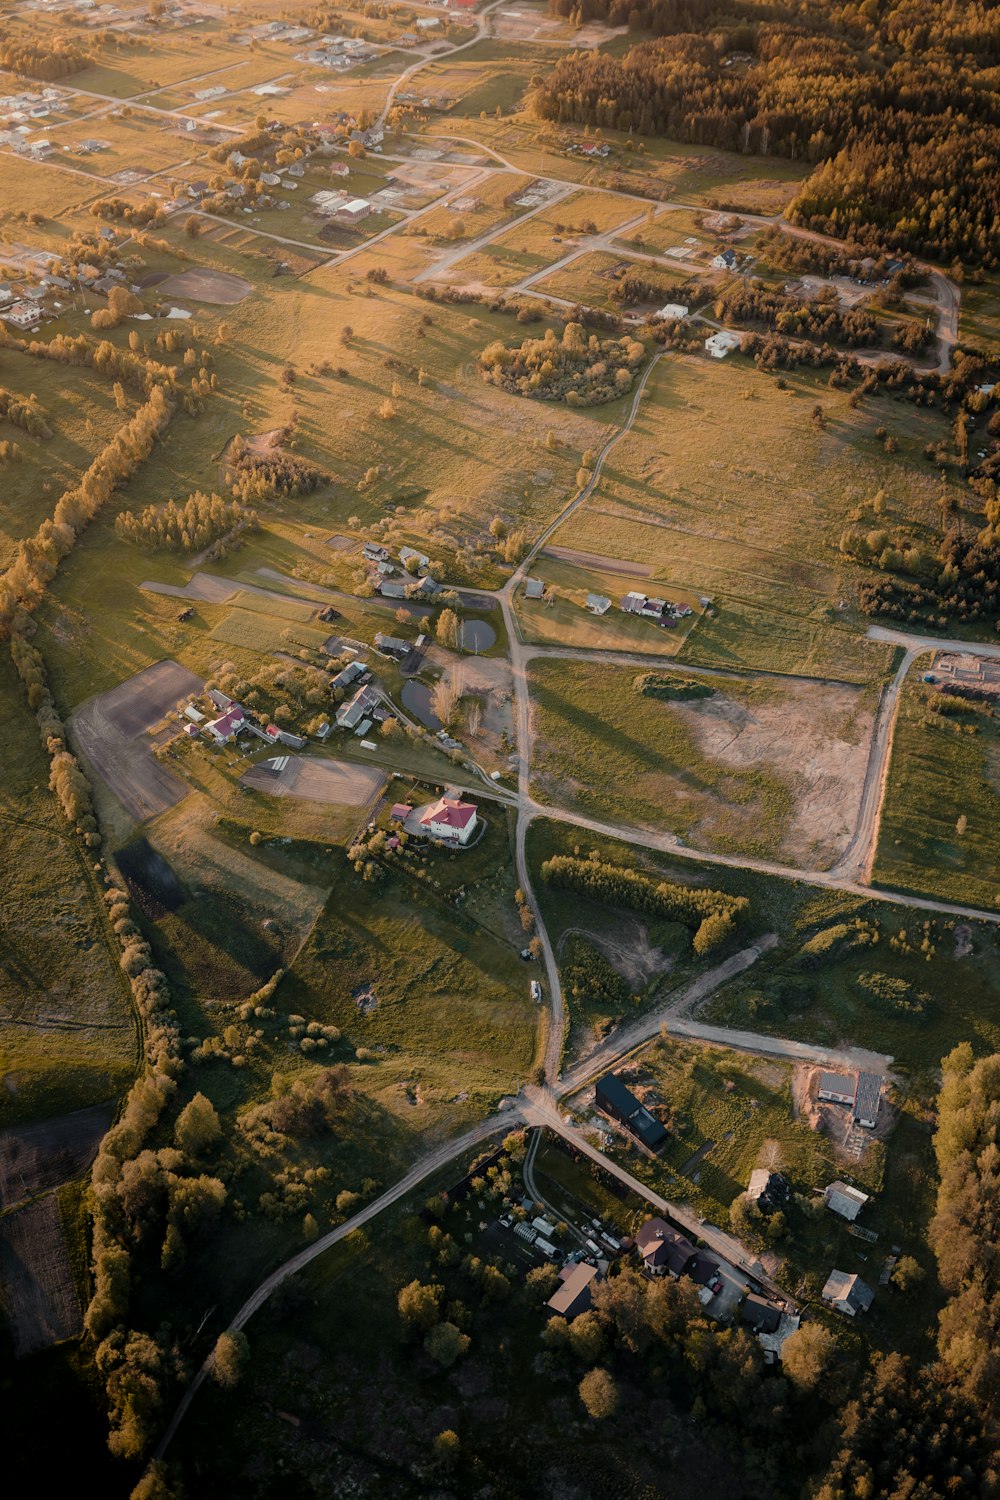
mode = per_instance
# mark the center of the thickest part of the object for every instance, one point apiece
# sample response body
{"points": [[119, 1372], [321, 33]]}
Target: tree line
{"points": [[899, 121], [24, 412], [714, 915]]}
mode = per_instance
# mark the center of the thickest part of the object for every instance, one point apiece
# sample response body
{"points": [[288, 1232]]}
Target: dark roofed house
{"points": [[391, 645], [664, 1250], [348, 674], [614, 1098], [572, 1296], [350, 714], [769, 1190], [759, 1314], [838, 1088], [866, 1099]]}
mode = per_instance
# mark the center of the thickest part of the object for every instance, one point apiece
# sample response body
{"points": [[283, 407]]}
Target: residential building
{"points": [[350, 714], [867, 1098], [664, 1250], [22, 315], [847, 1294], [673, 312], [598, 604], [769, 1190], [572, 1296], [392, 645], [725, 261], [722, 343], [845, 1200], [412, 559], [391, 588], [348, 675], [449, 819], [759, 1314], [228, 725], [837, 1088], [617, 1101], [374, 552], [353, 211]]}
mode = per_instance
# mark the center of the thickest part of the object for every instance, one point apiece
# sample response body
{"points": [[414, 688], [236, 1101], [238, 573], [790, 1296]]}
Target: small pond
{"points": [[476, 635], [416, 699]]}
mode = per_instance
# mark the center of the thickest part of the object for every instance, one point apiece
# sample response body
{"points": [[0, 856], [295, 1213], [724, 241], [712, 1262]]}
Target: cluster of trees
{"points": [[636, 284], [257, 477], [186, 527], [38, 557], [714, 915], [121, 211], [121, 304], [47, 57], [576, 369], [890, 102], [671, 689], [965, 1230], [897, 994], [962, 582], [861, 260], [24, 412], [302, 1106], [825, 320], [587, 975]]}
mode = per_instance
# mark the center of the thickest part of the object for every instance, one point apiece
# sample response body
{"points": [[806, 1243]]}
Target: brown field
{"points": [[38, 1157], [36, 1280]]}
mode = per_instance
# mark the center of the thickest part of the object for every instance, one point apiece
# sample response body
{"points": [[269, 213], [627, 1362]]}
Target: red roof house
{"points": [[450, 820]]}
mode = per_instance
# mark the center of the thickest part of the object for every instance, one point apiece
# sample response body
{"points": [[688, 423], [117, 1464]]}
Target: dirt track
{"points": [[109, 730]]}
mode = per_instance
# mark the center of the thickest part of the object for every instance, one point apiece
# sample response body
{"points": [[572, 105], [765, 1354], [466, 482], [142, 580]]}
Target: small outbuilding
{"points": [[840, 1198], [572, 1296]]}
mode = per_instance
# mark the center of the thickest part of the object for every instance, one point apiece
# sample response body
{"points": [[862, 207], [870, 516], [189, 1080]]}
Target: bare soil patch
{"points": [[111, 730], [34, 1158], [36, 1280], [630, 952], [814, 737], [200, 586], [317, 780], [218, 288], [593, 560]]}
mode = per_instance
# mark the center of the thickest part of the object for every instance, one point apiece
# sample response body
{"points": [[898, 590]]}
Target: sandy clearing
{"points": [[218, 288], [36, 1282], [316, 779], [816, 738], [200, 586], [36, 1157]]}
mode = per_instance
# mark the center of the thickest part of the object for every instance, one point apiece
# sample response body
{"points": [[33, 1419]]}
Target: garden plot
{"points": [[36, 1280], [111, 730], [38, 1157]]}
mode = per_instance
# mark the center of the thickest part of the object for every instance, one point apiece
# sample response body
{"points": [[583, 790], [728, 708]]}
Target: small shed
{"points": [[534, 588]]}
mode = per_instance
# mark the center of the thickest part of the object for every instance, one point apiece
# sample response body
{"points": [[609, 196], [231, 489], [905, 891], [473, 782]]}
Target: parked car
{"points": [[527, 955], [716, 1286], [536, 991]]}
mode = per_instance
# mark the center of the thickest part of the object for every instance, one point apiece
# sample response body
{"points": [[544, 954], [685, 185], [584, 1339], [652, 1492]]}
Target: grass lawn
{"points": [[588, 280], [562, 619], [684, 494], [943, 770]]}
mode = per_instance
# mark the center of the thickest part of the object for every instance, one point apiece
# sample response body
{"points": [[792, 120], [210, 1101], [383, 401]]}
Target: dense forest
{"points": [[894, 105]]}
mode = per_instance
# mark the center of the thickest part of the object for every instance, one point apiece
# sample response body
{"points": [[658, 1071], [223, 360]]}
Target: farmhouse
{"points": [[725, 261], [840, 1198], [228, 725], [375, 552], [572, 1296], [617, 1101], [410, 557], [598, 604], [664, 1250], [23, 315], [722, 343], [350, 714], [449, 819], [847, 1294], [660, 610]]}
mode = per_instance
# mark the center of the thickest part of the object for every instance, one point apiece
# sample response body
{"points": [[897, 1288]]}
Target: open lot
{"points": [[762, 767], [316, 780], [111, 728]]}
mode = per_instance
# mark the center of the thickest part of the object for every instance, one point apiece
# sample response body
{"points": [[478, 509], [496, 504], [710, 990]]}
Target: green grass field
{"points": [[938, 835], [562, 619]]}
